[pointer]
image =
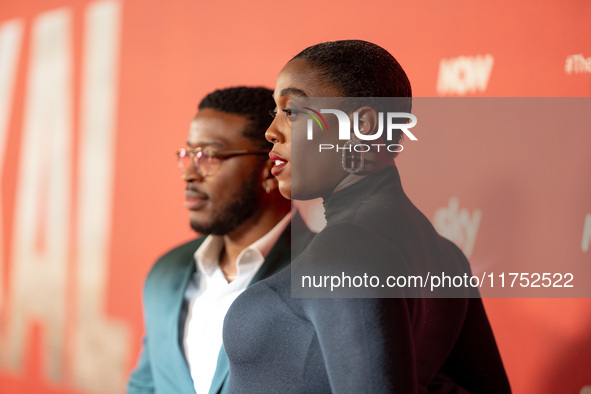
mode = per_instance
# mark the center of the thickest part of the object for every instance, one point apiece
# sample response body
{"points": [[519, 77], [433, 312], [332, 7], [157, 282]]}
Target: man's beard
{"points": [[243, 205]]}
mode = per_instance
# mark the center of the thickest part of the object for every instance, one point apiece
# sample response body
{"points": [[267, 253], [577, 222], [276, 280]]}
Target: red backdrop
{"points": [[95, 96]]}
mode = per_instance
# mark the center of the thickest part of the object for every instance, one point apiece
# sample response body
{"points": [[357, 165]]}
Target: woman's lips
{"points": [[279, 163]]}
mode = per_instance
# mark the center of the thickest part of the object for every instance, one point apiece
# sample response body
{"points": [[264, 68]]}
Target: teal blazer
{"points": [[162, 367]]}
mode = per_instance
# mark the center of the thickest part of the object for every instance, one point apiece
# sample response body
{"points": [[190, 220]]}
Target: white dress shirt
{"points": [[210, 297]]}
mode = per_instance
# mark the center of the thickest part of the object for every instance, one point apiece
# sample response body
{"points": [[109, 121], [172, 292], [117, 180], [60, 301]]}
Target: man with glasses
{"points": [[233, 198]]}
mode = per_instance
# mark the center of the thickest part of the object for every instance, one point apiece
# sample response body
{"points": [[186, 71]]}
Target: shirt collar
{"points": [[266, 242], [207, 256]]}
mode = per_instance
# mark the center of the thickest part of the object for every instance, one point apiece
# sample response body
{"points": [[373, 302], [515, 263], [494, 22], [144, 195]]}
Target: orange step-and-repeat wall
{"points": [[95, 96]]}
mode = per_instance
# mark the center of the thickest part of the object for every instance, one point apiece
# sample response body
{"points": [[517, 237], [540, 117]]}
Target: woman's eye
{"points": [[290, 113], [273, 113]]}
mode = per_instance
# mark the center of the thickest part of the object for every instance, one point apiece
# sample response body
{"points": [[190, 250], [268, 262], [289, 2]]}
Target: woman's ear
{"points": [[365, 121]]}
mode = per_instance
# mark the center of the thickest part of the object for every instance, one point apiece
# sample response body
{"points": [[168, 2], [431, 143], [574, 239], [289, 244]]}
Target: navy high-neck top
{"points": [[277, 343]]}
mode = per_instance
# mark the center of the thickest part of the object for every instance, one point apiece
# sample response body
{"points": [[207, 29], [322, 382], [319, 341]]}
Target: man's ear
{"points": [[368, 121], [269, 182]]}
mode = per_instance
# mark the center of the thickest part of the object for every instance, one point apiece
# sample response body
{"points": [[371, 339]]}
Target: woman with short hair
{"points": [[410, 342]]}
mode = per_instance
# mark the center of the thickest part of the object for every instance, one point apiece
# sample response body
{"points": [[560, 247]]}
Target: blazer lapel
{"points": [[222, 370], [163, 299], [179, 311]]}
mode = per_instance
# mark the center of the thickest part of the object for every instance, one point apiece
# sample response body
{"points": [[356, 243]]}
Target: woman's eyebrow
{"points": [[292, 92]]}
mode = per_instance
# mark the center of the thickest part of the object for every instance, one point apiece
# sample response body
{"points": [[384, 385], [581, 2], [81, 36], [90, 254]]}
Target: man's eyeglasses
{"points": [[208, 161]]}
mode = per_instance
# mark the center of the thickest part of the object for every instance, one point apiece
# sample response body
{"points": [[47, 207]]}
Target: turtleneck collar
{"points": [[361, 191]]}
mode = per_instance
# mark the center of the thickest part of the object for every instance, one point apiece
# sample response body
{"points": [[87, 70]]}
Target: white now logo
{"points": [[464, 74]]}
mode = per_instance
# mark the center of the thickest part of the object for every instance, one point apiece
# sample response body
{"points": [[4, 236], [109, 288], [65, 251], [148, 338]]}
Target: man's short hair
{"points": [[254, 103]]}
